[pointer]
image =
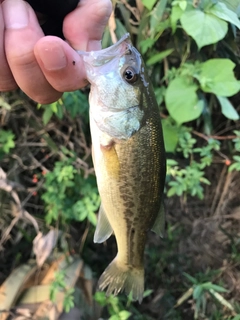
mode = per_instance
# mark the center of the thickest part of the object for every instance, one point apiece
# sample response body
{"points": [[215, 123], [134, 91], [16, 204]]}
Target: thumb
{"points": [[83, 28]]}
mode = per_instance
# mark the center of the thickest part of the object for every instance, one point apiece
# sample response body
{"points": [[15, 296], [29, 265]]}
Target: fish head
{"points": [[118, 83]]}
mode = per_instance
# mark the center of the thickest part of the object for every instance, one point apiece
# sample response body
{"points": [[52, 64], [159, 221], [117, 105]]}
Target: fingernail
{"points": [[15, 13], [53, 57]]}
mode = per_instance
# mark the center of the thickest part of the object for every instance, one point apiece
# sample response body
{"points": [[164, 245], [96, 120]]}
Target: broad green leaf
{"points": [[149, 3], [221, 10], [181, 3], [175, 16], [170, 135], [159, 57], [227, 108], [231, 4], [204, 28], [182, 101], [216, 76]]}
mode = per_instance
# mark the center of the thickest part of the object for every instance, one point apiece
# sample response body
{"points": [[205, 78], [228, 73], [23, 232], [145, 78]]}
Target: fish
{"points": [[129, 161]]}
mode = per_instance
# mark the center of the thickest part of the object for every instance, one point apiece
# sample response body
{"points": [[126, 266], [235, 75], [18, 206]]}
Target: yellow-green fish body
{"points": [[129, 160]]}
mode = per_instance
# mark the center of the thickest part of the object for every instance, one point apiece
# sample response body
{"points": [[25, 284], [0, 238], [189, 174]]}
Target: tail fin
{"points": [[117, 278]]}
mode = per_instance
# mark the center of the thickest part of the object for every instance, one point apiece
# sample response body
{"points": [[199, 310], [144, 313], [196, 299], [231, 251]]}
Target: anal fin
{"points": [[103, 230], [159, 224]]}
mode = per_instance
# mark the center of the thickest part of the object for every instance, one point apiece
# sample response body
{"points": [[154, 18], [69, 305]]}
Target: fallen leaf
{"points": [[43, 245]]}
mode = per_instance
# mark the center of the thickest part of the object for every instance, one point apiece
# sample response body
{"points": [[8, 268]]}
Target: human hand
{"points": [[46, 66]]}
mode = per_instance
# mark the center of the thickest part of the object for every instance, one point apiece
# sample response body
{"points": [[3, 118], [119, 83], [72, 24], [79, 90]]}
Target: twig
{"points": [[201, 135], [225, 190], [19, 212], [133, 10]]}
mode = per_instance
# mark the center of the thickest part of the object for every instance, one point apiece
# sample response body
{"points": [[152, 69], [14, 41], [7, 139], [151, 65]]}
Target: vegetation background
{"points": [[48, 193]]}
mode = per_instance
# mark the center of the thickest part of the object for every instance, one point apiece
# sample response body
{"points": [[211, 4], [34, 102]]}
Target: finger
{"points": [[22, 32], [83, 27], [62, 66], [7, 81]]}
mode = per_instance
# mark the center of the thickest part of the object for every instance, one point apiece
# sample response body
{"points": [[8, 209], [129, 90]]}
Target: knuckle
{"points": [[25, 60]]}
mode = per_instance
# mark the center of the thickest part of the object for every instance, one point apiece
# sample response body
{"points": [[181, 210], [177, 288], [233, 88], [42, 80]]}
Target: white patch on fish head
{"points": [[115, 102], [113, 93]]}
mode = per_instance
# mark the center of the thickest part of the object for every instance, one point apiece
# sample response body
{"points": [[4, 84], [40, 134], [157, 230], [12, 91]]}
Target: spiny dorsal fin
{"points": [[159, 224], [103, 230]]}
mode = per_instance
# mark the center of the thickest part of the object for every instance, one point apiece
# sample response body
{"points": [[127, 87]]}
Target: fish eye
{"points": [[130, 75]]}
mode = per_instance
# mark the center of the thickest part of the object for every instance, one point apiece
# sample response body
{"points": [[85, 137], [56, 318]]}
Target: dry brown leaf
{"points": [[112, 27], [14, 285], [87, 283], [43, 245]]}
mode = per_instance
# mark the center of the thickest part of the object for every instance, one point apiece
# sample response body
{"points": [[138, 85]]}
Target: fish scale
{"points": [[129, 160]]}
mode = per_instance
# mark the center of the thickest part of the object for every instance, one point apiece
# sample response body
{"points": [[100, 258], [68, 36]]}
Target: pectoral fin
{"points": [[103, 230], [159, 224]]}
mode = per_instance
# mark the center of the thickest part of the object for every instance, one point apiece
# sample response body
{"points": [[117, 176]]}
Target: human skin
{"points": [[46, 66]]}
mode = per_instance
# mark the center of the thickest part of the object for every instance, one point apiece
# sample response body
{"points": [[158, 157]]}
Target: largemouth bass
{"points": [[129, 160]]}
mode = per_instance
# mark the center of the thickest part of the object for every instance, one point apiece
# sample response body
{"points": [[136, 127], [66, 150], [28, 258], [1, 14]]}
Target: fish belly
{"points": [[129, 181]]}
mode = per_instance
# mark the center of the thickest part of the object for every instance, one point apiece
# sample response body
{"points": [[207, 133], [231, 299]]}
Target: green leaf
{"points": [[231, 4], [180, 3], [157, 14], [146, 44], [175, 16], [204, 28], [215, 287], [221, 11], [216, 76], [47, 115], [227, 108], [190, 278], [149, 3], [182, 101], [124, 315], [234, 166], [159, 94], [54, 106], [147, 293], [92, 218], [158, 57], [197, 292], [170, 134], [120, 29], [6, 141]]}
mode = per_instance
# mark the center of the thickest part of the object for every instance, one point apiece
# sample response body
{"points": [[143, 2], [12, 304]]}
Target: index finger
{"points": [[7, 81], [83, 28]]}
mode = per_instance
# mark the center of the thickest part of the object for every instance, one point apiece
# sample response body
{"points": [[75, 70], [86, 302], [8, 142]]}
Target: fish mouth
{"points": [[101, 57], [106, 59]]}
